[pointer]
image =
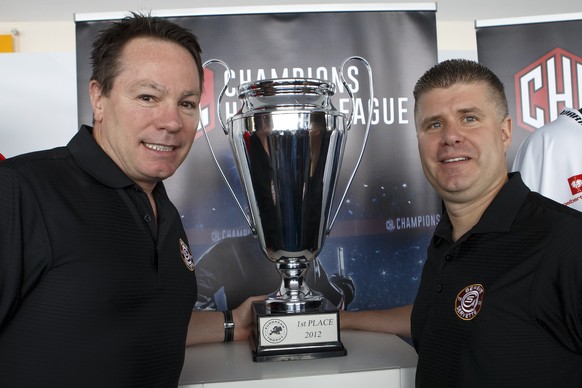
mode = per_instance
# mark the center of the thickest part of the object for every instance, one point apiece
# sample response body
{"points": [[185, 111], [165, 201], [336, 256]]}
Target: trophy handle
{"points": [[349, 124], [222, 91], [247, 218]]}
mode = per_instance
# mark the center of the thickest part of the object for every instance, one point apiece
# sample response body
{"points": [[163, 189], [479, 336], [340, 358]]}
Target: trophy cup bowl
{"points": [[288, 145], [288, 142]]}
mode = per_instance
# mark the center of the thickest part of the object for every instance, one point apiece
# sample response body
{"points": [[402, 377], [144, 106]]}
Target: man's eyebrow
{"points": [[150, 84], [191, 93], [161, 88], [471, 109], [429, 119]]}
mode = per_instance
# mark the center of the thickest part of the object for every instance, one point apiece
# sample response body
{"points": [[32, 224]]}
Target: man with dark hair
{"points": [[97, 283], [500, 299]]}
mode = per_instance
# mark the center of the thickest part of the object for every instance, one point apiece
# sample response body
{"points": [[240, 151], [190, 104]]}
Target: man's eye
{"points": [[146, 98], [435, 125], [189, 105]]}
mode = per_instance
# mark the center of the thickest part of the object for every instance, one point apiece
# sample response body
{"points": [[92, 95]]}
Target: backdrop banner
{"points": [[539, 59], [375, 252]]}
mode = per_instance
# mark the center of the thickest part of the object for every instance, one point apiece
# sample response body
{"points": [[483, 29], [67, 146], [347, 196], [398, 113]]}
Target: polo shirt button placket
{"points": [[439, 287]]}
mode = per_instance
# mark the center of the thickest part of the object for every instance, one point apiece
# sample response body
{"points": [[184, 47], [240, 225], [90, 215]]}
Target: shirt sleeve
{"points": [[24, 243], [558, 294], [529, 161]]}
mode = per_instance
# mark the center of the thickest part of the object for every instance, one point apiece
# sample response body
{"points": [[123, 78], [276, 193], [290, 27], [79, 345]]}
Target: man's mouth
{"points": [[159, 147], [452, 160]]}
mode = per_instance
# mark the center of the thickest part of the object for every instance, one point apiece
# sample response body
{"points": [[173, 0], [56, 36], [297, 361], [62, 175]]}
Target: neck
{"points": [[464, 219], [464, 216]]}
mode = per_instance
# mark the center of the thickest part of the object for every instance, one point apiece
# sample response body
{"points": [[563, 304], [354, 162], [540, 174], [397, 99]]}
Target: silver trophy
{"points": [[288, 142]]}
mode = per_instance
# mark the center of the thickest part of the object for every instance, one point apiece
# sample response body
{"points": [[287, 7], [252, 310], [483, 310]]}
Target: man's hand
{"points": [[243, 318]]}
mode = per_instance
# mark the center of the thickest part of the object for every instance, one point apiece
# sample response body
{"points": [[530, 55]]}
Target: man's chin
{"points": [[160, 173]]}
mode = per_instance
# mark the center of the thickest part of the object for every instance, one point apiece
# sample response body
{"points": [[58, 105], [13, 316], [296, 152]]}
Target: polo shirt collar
{"points": [[499, 215], [93, 160]]}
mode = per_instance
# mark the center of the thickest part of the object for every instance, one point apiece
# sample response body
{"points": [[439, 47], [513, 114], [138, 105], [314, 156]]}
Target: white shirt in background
{"points": [[550, 159]]}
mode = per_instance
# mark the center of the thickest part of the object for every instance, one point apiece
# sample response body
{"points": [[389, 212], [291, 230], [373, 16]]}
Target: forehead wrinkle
{"points": [[151, 85]]}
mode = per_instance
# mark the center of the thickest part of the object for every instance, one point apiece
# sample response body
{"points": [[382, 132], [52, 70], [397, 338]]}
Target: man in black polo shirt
{"points": [[97, 283], [500, 300]]}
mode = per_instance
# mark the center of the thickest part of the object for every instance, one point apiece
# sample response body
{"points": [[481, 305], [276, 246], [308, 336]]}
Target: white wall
{"points": [[38, 101], [38, 90]]}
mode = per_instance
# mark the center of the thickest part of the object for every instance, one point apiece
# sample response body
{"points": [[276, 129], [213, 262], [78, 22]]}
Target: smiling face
{"points": [[462, 141], [148, 121]]}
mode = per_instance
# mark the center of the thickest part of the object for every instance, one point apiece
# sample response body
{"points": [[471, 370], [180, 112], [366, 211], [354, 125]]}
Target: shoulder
{"points": [[554, 227], [35, 169], [547, 207], [35, 160], [560, 131], [563, 230]]}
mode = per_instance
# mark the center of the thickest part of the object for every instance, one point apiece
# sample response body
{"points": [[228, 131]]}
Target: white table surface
{"points": [[373, 359]]}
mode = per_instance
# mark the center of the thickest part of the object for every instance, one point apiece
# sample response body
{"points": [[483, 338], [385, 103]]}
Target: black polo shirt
{"points": [[93, 293], [502, 306]]}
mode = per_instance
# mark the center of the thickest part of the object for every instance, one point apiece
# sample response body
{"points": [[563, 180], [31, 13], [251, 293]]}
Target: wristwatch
{"points": [[228, 326]]}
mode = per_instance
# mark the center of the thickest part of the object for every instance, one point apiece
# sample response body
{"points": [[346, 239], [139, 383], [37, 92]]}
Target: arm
{"points": [[24, 243], [395, 320], [208, 326]]}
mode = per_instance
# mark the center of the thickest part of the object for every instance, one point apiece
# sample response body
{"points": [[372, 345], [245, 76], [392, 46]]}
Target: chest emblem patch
{"points": [[186, 255], [469, 301], [575, 184]]}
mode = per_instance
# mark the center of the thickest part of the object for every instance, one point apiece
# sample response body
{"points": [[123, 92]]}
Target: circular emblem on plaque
{"points": [[274, 331], [469, 301]]}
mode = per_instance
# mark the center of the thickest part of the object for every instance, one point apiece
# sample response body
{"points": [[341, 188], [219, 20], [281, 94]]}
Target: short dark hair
{"points": [[453, 71], [110, 41]]}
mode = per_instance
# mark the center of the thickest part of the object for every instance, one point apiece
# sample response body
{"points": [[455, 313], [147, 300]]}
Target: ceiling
{"points": [[447, 10]]}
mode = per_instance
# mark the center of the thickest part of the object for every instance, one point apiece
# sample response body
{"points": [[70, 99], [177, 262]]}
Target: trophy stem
{"points": [[294, 295]]}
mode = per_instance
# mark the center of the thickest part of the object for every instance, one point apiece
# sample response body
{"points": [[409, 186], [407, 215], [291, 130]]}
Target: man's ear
{"points": [[506, 132], [96, 100]]}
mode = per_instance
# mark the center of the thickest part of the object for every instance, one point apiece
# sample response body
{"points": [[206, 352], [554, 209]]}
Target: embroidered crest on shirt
{"points": [[186, 255], [469, 301]]}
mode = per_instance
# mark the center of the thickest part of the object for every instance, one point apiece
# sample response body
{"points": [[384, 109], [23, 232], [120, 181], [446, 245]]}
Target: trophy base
{"points": [[280, 336]]}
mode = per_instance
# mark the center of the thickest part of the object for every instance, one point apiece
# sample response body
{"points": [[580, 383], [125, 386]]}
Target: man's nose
{"points": [[452, 134], [170, 118]]}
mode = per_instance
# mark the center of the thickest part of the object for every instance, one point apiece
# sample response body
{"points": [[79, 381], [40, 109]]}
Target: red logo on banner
{"points": [[575, 183], [207, 103], [545, 87]]}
